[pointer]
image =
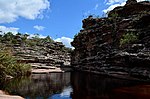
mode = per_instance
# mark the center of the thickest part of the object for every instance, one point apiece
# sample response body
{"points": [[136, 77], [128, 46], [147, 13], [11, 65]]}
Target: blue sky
{"points": [[60, 19]]}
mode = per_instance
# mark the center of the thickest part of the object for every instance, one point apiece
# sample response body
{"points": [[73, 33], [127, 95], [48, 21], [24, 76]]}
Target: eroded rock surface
{"points": [[47, 54], [43, 56], [101, 47], [41, 53]]}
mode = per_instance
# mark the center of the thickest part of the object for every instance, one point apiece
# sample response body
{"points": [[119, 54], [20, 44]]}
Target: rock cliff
{"points": [[118, 45], [43, 53]]}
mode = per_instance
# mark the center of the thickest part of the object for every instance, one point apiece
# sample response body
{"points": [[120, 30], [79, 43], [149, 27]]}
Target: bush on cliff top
{"points": [[12, 39], [9, 65]]}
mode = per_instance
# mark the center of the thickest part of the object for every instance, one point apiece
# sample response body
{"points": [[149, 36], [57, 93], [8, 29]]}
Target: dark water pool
{"points": [[75, 85]]}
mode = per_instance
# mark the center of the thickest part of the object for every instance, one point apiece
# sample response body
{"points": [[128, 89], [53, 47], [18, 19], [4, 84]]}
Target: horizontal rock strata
{"points": [[118, 45]]}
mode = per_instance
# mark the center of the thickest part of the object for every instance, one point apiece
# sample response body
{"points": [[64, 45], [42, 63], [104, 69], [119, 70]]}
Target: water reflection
{"points": [[64, 95], [75, 85], [38, 86], [91, 86]]}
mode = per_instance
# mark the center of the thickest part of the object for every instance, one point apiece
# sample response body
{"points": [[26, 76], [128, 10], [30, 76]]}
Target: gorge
{"points": [[110, 60]]}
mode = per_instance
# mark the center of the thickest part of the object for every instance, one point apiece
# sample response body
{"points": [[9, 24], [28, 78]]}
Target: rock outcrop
{"points": [[118, 45], [131, 8], [129, 2], [41, 53]]}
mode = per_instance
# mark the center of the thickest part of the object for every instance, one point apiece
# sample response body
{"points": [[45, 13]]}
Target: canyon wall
{"points": [[118, 45]]}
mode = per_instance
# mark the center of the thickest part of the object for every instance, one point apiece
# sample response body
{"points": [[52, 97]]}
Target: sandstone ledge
{"points": [[3, 95], [46, 71]]}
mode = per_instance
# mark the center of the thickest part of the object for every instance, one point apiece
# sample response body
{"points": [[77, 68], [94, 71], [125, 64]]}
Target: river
{"points": [[75, 85]]}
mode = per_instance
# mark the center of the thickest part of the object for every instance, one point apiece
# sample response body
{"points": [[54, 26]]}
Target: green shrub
{"points": [[31, 43], [128, 38], [9, 65]]}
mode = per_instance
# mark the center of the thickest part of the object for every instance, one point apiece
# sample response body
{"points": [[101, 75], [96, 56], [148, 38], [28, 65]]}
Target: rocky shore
{"points": [[3, 95], [118, 45]]}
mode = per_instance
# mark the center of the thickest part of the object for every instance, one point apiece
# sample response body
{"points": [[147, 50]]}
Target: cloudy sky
{"points": [[60, 19]]}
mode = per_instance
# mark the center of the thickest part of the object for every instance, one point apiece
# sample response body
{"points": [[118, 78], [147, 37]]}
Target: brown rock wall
{"points": [[98, 48]]}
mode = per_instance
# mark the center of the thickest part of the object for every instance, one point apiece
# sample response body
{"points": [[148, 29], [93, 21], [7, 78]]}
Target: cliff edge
{"points": [[118, 45]]}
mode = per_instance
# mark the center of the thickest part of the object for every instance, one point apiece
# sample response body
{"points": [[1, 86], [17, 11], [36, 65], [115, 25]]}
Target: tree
{"points": [[8, 37], [48, 39], [24, 37]]}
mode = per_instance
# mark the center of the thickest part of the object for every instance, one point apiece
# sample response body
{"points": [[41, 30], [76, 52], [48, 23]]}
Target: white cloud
{"points": [[10, 10], [110, 2], [34, 35], [65, 40], [4, 29], [113, 6], [96, 6], [39, 28], [42, 36], [115, 3], [142, 0]]}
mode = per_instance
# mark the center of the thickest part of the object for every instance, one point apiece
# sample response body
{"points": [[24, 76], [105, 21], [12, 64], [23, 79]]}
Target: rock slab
{"points": [[5, 96]]}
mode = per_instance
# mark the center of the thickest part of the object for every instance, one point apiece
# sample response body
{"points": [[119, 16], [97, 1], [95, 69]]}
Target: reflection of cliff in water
{"points": [[82, 86], [38, 85], [91, 86]]}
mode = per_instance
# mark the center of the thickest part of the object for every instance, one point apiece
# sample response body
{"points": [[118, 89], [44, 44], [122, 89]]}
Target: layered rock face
{"points": [[118, 45], [43, 55]]}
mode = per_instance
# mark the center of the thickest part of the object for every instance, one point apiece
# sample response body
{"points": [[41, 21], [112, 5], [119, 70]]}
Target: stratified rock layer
{"points": [[98, 48], [43, 56], [41, 53]]}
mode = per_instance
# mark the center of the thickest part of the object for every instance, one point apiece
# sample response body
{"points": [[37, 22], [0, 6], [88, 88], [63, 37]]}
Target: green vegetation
{"points": [[128, 38], [9, 65], [36, 40], [114, 25], [23, 39], [114, 15]]}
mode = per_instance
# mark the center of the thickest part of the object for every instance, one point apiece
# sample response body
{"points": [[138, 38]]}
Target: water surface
{"points": [[75, 85]]}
